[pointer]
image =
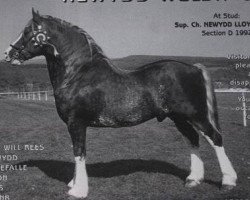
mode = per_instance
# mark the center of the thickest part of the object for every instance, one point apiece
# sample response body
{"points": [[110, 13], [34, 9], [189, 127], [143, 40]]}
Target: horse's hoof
{"points": [[192, 183], [78, 193], [227, 187]]}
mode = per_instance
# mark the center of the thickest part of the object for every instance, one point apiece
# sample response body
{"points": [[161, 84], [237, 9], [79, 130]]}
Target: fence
{"points": [[35, 95], [244, 101]]}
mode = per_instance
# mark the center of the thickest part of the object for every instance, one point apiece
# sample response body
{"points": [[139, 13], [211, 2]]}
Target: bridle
{"points": [[39, 37], [18, 52]]}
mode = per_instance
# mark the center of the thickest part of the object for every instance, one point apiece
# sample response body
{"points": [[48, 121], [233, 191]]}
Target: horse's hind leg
{"points": [[79, 184], [196, 175], [213, 136]]}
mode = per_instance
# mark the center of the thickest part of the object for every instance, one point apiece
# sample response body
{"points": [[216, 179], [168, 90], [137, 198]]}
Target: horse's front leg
{"points": [[79, 184]]}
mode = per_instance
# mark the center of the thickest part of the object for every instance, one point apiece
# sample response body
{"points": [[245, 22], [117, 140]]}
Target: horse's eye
{"points": [[26, 32], [16, 54]]}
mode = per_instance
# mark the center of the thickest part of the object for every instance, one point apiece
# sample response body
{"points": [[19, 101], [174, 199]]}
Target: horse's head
{"points": [[33, 41]]}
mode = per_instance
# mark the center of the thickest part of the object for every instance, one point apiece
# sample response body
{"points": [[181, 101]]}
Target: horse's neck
{"points": [[65, 65], [72, 61], [56, 71], [62, 75], [74, 50]]}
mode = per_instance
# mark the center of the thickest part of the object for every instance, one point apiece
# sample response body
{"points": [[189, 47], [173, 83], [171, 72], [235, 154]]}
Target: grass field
{"points": [[148, 161]]}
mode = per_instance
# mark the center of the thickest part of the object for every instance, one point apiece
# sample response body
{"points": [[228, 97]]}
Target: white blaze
{"points": [[13, 43]]}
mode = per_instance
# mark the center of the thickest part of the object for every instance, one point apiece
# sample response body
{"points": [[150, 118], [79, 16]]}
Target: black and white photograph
{"points": [[125, 100]]}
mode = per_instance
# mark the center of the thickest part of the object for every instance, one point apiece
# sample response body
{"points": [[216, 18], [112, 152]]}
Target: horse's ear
{"points": [[36, 16]]}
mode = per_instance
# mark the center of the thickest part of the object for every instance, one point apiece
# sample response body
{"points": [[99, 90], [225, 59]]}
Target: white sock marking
{"points": [[80, 187], [229, 174], [197, 167]]}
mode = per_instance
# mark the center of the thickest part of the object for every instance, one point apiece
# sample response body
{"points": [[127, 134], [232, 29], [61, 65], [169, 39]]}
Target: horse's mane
{"points": [[95, 50]]}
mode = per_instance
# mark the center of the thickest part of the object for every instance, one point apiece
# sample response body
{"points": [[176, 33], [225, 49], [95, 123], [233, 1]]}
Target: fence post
{"points": [[39, 96], [244, 109], [46, 96]]}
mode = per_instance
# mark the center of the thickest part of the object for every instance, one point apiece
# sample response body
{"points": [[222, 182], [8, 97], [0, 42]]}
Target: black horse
{"points": [[90, 91]]}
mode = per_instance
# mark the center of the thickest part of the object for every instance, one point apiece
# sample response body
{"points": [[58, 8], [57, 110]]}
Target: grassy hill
{"points": [[34, 72], [138, 60]]}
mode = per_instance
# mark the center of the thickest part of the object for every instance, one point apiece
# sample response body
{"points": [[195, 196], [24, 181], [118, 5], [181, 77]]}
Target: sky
{"points": [[134, 28]]}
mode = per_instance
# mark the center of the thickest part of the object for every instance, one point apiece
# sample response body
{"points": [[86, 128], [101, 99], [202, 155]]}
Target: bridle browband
{"points": [[39, 37]]}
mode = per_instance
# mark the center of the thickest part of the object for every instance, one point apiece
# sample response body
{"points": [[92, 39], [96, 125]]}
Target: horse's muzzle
{"points": [[15, 60]]}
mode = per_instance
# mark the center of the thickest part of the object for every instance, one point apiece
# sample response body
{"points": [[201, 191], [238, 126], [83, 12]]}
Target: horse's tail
{"points": [[212, 110]]}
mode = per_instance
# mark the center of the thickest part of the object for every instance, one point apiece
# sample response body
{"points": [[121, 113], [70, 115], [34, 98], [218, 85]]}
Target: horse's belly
{"points": [[121, 119], [103, 121]]}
